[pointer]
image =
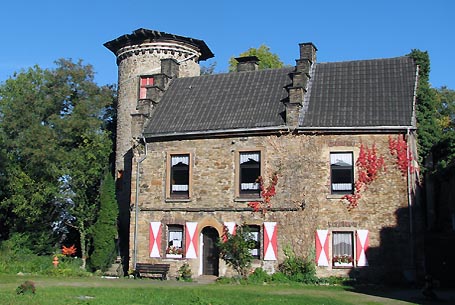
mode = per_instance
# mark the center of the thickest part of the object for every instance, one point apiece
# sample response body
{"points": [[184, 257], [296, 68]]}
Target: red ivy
{"points": [[368, 166], [266, 194], [399, 149]]}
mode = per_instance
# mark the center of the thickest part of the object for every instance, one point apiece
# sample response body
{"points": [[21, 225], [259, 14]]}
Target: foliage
{"points": [[68, 251], [368, 164], [267, 59], [259, 276], [266, 194], [105, 228], [55, 145], [235, 249], [428, 118], [185, 273], [297, 268], [399, 149], [208, 70], [27, 287]]}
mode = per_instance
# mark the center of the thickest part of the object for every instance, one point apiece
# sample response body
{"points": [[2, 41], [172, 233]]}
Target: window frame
{"points": [[341, 168], [335, 264], [173, 195], [256, 228], [175, 228], [245, 194], [142, 90]]}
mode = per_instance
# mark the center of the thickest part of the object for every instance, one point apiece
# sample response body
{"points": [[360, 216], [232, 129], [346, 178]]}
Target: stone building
{"points": [[332, 143]]}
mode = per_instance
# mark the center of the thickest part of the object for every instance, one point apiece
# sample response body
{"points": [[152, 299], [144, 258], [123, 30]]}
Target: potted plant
{"points": [[174, 252]]}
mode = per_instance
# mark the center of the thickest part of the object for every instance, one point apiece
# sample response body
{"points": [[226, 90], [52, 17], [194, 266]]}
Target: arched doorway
{"points": [[210, 251]]}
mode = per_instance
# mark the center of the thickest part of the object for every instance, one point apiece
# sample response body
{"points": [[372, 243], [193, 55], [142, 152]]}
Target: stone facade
{"points": [[302, 205]]}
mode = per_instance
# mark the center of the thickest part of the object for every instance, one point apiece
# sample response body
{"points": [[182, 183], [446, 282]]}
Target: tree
{"points": [[267, 59], [428, 118], [208, 70], [235, 249], [105, 228], [55, 143]]}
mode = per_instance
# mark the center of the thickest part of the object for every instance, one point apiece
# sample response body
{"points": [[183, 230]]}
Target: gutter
{"points": [[282, 128], [136, 204]]}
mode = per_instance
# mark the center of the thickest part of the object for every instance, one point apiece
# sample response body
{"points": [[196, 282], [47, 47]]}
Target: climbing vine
{"points": [[399, 149], [368, 164], [266, 194]]}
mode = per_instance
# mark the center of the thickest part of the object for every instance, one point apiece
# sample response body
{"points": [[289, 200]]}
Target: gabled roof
{"points": [[355, 94], [362, 93], [221, 102]]}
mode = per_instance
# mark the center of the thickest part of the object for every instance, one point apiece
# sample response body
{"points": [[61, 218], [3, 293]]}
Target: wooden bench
{"points": [[153, 269]]}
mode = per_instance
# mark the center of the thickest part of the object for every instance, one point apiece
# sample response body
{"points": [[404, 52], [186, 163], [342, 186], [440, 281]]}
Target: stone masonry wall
{"points": [[303, 200]]}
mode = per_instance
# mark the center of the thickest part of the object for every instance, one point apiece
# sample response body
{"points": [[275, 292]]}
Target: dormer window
{"points": [[145, 82]]}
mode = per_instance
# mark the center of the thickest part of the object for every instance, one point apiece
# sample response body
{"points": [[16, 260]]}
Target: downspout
{"points": [[136, 204], [410, 205]]}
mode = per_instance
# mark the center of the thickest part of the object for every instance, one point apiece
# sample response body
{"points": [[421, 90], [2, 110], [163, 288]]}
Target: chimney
{"points": [[247, 63], [300, 78]]}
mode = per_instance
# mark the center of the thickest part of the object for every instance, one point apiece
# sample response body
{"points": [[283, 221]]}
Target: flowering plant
{"points": [[345, 258], [174, 250]]}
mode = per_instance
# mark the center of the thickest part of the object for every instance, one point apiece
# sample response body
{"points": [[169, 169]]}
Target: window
{"points": [[145, 82], [174, 241], [179, 176], [343, 249], [254, 235], [341, 172], [249, 172]]}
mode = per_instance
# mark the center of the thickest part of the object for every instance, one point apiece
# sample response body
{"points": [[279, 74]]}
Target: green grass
{"points": [[93, 290]]}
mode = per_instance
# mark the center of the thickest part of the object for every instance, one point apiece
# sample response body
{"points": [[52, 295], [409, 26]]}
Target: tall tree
{"points": [[105, 228], [52, 124], [267, 59], [428, 117]]}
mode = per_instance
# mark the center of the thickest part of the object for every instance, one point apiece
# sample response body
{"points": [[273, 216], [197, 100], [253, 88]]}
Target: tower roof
{"points": [[144, 35]]}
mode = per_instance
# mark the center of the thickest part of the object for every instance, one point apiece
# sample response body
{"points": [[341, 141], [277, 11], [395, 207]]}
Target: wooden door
{"points": [[210, 251]]}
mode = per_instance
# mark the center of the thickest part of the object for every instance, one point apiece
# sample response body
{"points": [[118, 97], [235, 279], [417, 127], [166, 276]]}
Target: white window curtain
{"points": [[342, 186], [175, 238], [245, 157], [180, 187], [342, 243], [180, 159], [249, 186], [341, 159]]}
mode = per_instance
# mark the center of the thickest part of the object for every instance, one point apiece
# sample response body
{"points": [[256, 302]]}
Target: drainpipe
{"points": [[136, 203], [410, 207]]}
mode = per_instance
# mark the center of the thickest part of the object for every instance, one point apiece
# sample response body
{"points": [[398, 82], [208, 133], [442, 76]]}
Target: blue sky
{"points": [[40, 32]]}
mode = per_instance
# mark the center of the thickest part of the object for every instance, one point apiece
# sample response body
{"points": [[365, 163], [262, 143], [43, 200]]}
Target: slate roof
{"points": [[222, 101], [364, 93]]}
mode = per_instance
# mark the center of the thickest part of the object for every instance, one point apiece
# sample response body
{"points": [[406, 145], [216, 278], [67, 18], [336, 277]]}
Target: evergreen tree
{"points": [[105, 228]]}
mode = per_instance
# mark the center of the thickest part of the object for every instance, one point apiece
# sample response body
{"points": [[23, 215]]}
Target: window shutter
{"points": [[270, 241], [322, 247], [191, 240], [155, 239], [362, 242], [231, 227]]}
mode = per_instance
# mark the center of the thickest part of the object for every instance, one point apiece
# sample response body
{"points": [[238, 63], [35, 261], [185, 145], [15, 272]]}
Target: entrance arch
{"points": [[210, 251]]}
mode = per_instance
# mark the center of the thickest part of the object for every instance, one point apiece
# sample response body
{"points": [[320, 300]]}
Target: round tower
{"points": [[147, 60], [139, 56]]}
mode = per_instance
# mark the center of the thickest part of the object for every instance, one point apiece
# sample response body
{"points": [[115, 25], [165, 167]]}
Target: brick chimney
{"points": [[300, 78], [247, 63]]}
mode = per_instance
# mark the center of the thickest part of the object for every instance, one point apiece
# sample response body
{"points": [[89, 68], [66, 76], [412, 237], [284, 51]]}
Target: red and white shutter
{"points": [[230, 225], [191, 240], [322, 248], [155, 239], [270, 241], [362, 242]]}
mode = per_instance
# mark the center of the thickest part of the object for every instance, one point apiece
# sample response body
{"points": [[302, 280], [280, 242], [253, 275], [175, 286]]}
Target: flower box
{"points": [[174, 255], [339, 264]]}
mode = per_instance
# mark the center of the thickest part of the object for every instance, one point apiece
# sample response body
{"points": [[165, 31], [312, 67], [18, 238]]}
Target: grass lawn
{"points": [[94, 290]]}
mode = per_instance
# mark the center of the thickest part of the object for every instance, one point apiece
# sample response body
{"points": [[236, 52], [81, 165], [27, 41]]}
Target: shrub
{"points": [[259, 276], [185, 273], [298, 269]]}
